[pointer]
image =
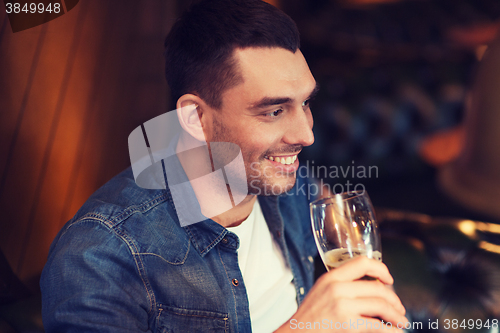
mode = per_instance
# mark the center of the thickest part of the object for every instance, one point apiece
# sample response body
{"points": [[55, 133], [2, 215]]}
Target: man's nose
{"points": [[299, 131]]}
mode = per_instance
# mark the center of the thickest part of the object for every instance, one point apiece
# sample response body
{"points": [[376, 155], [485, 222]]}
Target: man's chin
{"points": [[267, 189]]}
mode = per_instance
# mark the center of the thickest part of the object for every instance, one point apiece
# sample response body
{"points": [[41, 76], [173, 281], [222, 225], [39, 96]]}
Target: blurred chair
{"points": [[443, 268], [473, 179]]}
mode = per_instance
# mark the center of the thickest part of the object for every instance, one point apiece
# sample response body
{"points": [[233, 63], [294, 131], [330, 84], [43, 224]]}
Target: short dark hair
{"points": [[199, 48]]}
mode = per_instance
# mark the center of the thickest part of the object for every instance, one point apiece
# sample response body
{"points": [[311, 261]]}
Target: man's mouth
{"points": [[285, 160]]}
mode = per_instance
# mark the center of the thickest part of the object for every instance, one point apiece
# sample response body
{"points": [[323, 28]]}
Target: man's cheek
{"points": [[254, 171]]}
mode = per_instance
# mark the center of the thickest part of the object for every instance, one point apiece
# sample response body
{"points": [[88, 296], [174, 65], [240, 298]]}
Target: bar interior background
{"points": [[393, 74]]}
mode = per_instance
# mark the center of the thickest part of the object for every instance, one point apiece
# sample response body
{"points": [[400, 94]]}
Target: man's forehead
{"points": [[273, 61], [272, 72]]}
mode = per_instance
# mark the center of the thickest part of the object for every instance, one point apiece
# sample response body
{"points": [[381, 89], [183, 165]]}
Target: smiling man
{"points": [[125, 263], [266, 114]]}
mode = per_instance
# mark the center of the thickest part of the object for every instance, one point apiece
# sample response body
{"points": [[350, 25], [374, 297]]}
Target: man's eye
{"points": [[275, 113], [306, 102]]}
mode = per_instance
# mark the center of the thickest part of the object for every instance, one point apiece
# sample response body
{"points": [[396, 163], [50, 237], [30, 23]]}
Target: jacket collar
{"points": [[207, 234], [204, 235]]}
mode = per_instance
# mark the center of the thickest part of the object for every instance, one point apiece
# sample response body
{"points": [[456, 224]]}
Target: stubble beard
{"points": [[265, 182], [257, 181]]}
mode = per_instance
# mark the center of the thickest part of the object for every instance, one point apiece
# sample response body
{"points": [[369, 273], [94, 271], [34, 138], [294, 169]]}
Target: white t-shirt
{"points": [[267, 278]]}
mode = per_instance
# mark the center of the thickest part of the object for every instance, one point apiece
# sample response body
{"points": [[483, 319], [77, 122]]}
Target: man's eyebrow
{"points": [[270, 101], [314, 92]]}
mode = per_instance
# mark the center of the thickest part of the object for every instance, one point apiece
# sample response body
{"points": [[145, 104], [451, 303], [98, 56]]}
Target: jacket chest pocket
{"points": [[176, 320]]}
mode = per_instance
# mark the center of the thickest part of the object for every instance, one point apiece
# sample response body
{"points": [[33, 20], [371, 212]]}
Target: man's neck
{"points": [[234, 217], [192, 164]]}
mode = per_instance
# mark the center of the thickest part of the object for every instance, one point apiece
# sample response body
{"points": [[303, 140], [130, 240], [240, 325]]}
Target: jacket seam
{"points": [[129, 211], [140, 268], [113, 222], [100, 219], [208, 247]]}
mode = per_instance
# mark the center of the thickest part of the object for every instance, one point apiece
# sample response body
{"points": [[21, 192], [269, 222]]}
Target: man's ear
{"points": [[190, 113]]}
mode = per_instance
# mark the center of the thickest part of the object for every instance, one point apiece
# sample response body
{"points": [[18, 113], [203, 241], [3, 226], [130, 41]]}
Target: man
{"points": [[125, 263]]}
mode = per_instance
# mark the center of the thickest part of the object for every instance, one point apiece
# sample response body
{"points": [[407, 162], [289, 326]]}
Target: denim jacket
{"points": [[124, 264]]}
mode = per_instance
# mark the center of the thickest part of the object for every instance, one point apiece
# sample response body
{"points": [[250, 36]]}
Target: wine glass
{"points": [[345, 227]]}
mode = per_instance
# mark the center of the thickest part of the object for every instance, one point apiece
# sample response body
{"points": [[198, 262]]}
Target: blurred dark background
{"points": [[394, 78]]}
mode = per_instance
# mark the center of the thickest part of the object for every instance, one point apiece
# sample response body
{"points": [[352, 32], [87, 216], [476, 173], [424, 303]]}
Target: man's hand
{"points": [[340, 297]]}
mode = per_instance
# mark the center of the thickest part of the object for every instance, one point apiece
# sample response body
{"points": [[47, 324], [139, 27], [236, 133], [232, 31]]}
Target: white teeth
{"points": [[283, 160]]}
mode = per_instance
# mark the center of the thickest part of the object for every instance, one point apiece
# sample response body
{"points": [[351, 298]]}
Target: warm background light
{"points": [[71, 91], [275, 3]]}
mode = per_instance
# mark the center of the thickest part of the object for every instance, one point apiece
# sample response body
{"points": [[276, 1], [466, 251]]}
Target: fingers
{"points": [[359, 267], [340, 296], [367, 289], [377, 308]]}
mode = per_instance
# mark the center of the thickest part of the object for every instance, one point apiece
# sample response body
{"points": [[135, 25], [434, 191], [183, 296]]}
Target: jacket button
{"points": [[235, 282], [301, 290], [224, 240], [278, 233]]}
